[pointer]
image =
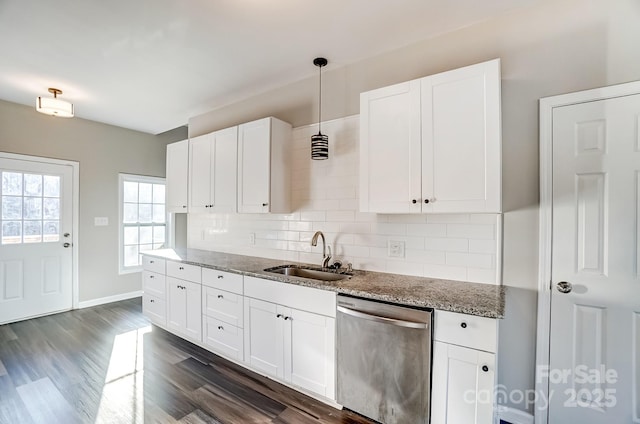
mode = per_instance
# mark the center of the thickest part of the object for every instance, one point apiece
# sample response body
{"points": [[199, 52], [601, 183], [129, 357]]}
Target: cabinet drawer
{"points": [[155, 309], [154, 284], [224, 338], [153, 264], [184, 271], [223, 305], [308, 299], [465, 330], [222, 280]]}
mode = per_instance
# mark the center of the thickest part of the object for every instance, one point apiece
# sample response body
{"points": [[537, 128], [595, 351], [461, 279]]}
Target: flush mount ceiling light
{"points": [[320, 142], [54, 106]]}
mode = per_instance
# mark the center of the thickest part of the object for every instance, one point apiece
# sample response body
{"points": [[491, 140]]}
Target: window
{"points": [[143, 218], [30, 208]]}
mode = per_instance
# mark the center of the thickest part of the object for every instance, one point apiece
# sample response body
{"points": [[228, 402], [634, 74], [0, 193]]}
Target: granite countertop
{"points": [[486, 300]]}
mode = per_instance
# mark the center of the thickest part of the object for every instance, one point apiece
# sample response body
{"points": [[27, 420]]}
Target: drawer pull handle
{"points": [[151, 300], [220, 276], [463, 324], [181, 268], [279, 316], [265, 204], [485, 368], [220, 296], [288, 318], [220, 327]]}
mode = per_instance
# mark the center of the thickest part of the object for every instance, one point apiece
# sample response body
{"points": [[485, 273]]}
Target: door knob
{"points": [[67, 244], [564, 287]]}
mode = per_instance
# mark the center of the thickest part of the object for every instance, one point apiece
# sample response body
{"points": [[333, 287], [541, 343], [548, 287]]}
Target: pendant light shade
{"points": [[319, 142], [54, 106]]}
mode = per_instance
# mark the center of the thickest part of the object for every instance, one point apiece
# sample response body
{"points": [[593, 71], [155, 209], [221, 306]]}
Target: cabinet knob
{"points": [[288, 318], [426, 200], [151, 262], [181, 268], [463, 324], [414, 201], [220, 296], [220, 327], [151, 276], [210, 206], [152, 301], [279, 316], [265, 204], [485, 368], [184, 206], [220, 276], [206, 206]]}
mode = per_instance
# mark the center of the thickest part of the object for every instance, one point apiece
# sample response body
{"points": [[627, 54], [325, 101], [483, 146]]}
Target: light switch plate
{"points": [[395, 249], [100, 221]]}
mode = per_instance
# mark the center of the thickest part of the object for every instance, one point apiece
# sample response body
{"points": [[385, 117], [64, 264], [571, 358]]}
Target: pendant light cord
{"points": [[320, 101]]}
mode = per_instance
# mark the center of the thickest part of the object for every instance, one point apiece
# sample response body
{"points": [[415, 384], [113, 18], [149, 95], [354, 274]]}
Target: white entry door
{"points": [[594, 366], [36, 257]]}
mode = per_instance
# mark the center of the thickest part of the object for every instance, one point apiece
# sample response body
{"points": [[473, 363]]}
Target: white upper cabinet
{"points": [[177, 176], [433, 144], [390, 163], [212, 171], [263, 166]]}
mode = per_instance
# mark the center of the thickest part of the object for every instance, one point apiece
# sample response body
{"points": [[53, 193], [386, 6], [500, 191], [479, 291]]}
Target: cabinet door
{"points": [[176, 305], [184, 308], [461, 136], [224, 171], [462, 385], [390, 158], [193, 316], [310, 361], [263, 347], [177, 176], [155, 309], [254, 166], [201, 156]]}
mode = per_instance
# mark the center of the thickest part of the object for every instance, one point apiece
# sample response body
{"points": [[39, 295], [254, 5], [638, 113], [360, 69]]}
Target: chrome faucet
{"points": [[325, 257]]}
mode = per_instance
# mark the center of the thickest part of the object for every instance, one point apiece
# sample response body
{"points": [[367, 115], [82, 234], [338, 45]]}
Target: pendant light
{"points": [[320, 142], [54, 106]]}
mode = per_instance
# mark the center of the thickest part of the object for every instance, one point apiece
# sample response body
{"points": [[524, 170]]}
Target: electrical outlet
{"points": [[252, 238], [395, 249], [100, 221]]}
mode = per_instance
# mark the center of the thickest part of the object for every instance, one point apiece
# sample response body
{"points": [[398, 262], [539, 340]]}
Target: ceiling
{"points": [[150, 65]]}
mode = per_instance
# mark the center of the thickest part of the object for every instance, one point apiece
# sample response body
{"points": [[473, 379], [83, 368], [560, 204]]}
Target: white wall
{"points": [[325, 198], [557, 46], [103, 151]]}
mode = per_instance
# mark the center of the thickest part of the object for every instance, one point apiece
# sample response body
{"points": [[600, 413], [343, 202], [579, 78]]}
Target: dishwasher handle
{"points": [[385, 320]]}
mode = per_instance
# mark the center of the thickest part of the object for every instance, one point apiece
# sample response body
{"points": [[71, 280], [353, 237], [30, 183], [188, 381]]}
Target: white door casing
{"points": [[38, 274], [589, 338]]}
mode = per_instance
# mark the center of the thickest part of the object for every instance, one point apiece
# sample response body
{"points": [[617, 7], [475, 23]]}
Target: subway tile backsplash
{"points": [[325, 197]]}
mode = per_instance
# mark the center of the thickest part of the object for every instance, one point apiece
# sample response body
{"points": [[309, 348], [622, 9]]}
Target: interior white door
{"points": [[594, 370], [36, 258]]}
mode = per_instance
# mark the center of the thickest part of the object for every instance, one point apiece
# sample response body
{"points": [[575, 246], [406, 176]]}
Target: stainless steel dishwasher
{"points": [[384, 360]]}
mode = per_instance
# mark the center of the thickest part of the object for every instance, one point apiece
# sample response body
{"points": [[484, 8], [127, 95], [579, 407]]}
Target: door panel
{"points": [[596, 163], [36, 249]]}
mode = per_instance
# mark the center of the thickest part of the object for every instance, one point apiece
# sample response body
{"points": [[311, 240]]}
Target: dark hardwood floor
{"points": [[108, 365]]}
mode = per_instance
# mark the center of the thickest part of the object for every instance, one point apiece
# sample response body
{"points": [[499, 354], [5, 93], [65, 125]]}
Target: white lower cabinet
{"points": [[184, 308], [463, 384], [464, 369], [155, 309], [223, 338], [288, 343], [310, 362]]}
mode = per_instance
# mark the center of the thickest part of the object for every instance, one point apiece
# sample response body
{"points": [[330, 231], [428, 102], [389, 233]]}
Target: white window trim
{"points": [[140, 179]]}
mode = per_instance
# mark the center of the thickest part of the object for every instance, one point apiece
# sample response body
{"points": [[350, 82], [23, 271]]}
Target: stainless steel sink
{"points": [[312, 273]]}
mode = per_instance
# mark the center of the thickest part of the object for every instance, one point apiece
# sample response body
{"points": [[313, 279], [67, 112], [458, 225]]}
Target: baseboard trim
{"points": [[513, 416], [109, 299]]}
